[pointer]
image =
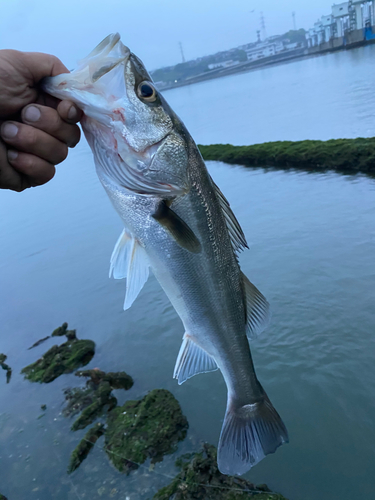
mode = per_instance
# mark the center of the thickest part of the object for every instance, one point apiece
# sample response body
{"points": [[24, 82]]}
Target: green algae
{"points": [[341, 155], [2, 497], [95, 397], [200, 479], [61, 359], [84, 447], [102, 399], [147, 428], [117, 380], [5, 367]]}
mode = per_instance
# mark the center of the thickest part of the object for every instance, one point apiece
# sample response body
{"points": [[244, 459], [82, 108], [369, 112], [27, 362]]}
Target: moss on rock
{"points": [[5, 367], [95, 397], [61, 359], [84, 447], [148, 428], [117, 380], [342, 155], [102, 398], [200, 479]]}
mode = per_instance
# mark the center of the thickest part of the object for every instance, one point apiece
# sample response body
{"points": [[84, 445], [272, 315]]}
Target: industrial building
{"points": [[349, 23]]}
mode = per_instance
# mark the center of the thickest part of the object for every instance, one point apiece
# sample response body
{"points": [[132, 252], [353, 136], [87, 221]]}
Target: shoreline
{"points": [[295, 55], [348, 156]]}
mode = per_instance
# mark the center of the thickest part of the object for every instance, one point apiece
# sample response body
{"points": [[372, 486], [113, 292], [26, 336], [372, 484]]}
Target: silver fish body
{"points": [[178, 223]]}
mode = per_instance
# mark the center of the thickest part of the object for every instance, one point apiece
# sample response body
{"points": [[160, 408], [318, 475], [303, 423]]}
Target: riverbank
{"points": [[340, 155], [352, 40]]}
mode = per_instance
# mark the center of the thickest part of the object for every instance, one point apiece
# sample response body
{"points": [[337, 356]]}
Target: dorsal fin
{"points": [[257, 309], [236, 234]]}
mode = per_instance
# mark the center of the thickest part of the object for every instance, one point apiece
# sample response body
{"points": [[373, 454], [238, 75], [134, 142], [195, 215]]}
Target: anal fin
{"points": [[192, 360]]}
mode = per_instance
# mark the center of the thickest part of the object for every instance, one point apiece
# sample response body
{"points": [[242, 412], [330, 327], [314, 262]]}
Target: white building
{"points": [[340, 13], [224, 64]]}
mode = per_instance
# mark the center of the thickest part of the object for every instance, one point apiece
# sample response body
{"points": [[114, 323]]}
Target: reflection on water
{"points": [[312, 242]]}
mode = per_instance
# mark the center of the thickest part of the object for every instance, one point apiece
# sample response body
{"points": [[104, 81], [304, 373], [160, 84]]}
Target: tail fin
{"points": [[249, 433]]}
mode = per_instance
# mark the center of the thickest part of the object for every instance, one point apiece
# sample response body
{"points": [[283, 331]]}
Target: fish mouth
{"points": [[109, 54]]}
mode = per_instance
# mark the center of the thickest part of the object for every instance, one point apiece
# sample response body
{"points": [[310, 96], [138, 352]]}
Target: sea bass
{"points": [[179, 224]]}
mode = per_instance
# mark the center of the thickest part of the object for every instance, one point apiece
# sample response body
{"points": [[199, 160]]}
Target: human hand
{"points": [[35, 128]]}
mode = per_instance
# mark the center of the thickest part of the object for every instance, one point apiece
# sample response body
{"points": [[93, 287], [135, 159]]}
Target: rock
{"points": [[95, 397], [101, 398], [60, 359], [38, 342], [117, 380], [147, 428], [200, 479], [5, 367], [84, 447], [2, 497]]}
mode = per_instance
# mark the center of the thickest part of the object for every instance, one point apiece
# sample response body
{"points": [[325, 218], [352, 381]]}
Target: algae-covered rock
{"points": [[84, 447], [102, 398], [60, 359], [5, 367], [2, 497], [95, 397], [117, 380], [147, 428], [341, 155], [200, 479]]}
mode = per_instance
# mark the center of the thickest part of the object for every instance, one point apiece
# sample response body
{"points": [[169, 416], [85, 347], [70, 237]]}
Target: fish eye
{"points": [[146, 92]]}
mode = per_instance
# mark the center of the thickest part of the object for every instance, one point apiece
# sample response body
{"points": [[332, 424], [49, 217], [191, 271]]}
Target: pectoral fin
{"points": [[192, 360], [177, 228], [129, 260]]}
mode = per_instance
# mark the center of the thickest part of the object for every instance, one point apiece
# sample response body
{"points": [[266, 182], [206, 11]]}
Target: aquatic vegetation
{"points": [[147, 428], [102, 398], [2, 497], [342, 155], [84, 447], [95, 397], [117, 380], [61, 359], [5, 367], [200, 479]]}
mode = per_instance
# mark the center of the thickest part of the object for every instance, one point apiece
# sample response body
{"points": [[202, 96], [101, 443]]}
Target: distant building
{"points": [[345, 17], [224, 64]]}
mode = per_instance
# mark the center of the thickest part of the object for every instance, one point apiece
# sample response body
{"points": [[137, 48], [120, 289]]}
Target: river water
{"points": [[312, 248]]}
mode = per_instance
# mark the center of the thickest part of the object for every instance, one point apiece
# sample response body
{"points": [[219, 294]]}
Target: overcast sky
{"points": [[152, 29]]}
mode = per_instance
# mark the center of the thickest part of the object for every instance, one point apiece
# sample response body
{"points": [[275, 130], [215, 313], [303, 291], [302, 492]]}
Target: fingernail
{"points": [[32, 114], [9, 131], [12, 155], [72, 113]]}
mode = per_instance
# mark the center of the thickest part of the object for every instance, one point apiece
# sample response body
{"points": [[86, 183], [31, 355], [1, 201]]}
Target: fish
{"points": [[179, 224]]}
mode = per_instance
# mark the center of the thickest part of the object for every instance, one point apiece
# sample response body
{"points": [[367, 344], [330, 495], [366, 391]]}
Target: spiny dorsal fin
{"points": [[129, 260], [257, 309], [236, 234], [192, 360]]}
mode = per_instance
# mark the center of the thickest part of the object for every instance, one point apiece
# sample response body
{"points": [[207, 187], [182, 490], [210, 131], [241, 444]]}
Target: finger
{"points": [[69, 112], [33, 141], [49, 120], [9, 177], [36, 170], [41, 65]]}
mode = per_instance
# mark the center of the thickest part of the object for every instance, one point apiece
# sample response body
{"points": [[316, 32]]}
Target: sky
{"points": [[152, 29]]}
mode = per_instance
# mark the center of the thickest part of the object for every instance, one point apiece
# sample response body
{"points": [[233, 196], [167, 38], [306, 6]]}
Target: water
{"points": [[312, 241]]}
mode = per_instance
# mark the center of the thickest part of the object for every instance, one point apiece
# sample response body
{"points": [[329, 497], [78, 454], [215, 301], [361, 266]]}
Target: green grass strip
{"points": [[344, 155]]}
